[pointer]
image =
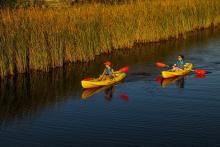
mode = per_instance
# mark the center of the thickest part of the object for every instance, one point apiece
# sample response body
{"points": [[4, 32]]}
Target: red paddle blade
{"points": [[200, 71], [87, 79], [124, 69], [158, 64]]}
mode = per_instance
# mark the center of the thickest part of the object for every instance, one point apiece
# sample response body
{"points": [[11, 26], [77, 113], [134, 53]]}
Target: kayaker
{"points": [[180, 63], [108, 72]]}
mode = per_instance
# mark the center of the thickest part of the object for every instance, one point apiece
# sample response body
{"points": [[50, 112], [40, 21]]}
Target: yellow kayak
{"points": [[96, 83], [170, 74]]}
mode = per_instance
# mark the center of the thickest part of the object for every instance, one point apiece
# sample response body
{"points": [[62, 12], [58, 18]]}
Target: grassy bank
{"points": [[40, 39]]}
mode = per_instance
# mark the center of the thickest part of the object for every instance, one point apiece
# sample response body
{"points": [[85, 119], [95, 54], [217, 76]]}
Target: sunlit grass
{"points": [[39, 39]]}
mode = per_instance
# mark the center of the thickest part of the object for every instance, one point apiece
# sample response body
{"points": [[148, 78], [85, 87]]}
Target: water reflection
{"points": [[200, 76], [92, 91], [24, 96], [109, 93], [179, 81], [124, 97]]}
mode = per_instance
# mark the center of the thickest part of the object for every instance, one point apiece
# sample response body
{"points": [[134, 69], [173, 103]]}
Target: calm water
{"points": [[51, 109]]}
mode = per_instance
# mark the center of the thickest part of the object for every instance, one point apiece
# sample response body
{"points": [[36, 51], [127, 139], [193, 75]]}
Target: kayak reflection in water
{"points": [[108, 73], [179, 81], [109, 93]]}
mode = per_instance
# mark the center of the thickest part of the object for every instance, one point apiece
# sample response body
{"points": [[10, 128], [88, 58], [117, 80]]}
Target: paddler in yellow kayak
{"points": [[108, 72], [180, 63]]}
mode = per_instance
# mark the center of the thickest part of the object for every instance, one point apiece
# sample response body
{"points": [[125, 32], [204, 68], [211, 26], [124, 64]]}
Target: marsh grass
{"points": [[39, 39]]}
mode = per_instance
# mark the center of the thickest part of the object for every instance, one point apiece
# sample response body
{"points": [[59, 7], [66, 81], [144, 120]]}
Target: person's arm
{"points": [[184, 62], [101, 76], [174, 65], [113, 72], [103, 72]]}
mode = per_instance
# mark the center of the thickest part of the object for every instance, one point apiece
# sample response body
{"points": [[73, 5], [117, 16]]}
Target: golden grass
{"points": [[40, 39]]}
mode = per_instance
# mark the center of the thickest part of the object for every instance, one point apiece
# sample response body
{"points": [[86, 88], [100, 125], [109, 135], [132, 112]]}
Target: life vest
{"points": [[108, 72], [180, 64]]}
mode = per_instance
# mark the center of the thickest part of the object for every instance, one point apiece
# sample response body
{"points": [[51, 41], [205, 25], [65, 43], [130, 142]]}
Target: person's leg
{"points": [[173, 69], [107, 78], [101, 77], [177, 68]]}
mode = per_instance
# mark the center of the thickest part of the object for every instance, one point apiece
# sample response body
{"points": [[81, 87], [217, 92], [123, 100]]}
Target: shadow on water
{"points": [[25, 96]]}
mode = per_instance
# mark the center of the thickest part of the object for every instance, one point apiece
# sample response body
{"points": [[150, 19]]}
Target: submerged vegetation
{"points": [[39, 39]]}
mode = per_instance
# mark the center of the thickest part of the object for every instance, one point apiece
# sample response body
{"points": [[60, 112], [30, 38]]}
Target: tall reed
{"points": [[39, 39]]}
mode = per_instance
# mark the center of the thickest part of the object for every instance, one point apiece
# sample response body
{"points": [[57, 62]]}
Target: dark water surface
{"points": [[46, 109]]}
